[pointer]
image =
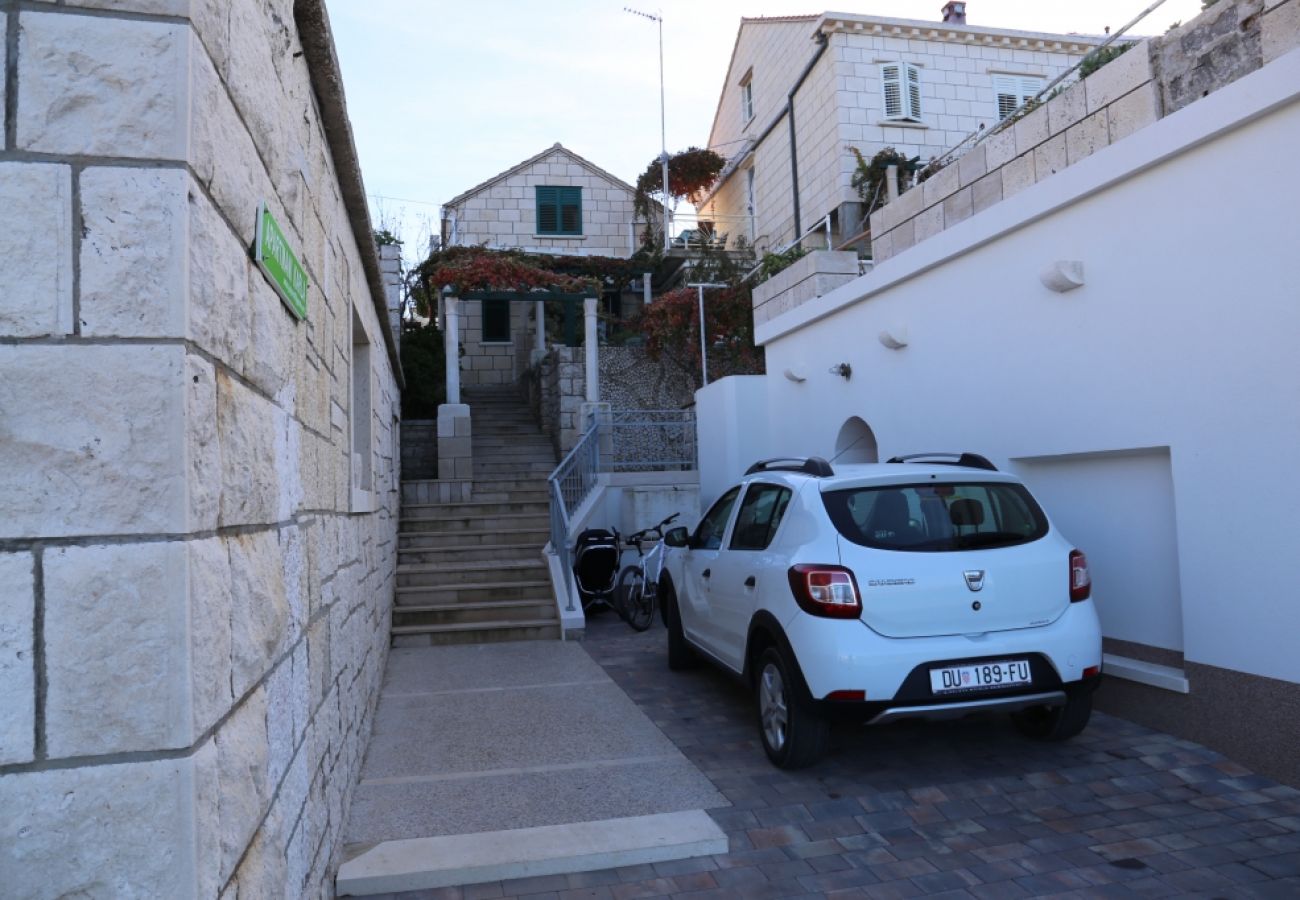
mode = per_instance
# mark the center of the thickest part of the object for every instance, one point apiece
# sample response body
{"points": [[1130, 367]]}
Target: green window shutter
{"points": [[570, 202], [548, 210]]}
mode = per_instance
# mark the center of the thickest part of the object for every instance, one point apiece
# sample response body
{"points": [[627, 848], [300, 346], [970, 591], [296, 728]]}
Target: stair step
{"points": [[436, 555], [498, 521], [433, 540], [473, 573], [474, 508], [486, 592], [536, 609], [481, 633]]}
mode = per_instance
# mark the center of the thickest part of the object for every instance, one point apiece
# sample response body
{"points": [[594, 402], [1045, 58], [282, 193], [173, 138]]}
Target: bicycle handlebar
{"points": [[656, 531]]}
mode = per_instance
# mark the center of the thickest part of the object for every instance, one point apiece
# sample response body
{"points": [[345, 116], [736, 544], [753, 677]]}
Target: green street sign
{"points": [[278, 263]]}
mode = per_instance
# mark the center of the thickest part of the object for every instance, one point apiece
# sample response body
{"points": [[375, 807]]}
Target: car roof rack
{"points": [[966, 460], [810, 465]]}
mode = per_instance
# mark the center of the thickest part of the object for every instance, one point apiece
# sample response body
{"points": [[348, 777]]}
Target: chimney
{"points": [[954, 13]]}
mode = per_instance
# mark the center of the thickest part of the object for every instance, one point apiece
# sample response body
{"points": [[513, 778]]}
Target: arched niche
{"points": [[856, 443]]}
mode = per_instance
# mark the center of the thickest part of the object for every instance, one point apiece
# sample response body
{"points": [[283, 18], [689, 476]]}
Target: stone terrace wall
{"points": [[631, 379], [1152, 80], [194, 603]]}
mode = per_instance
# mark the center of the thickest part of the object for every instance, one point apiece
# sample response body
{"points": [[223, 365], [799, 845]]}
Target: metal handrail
{"points": [[571, 483], [576, 476]]}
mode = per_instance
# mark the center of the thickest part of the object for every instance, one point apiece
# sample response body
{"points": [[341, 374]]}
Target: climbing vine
{"points": [[869, 179], [690, 174]]}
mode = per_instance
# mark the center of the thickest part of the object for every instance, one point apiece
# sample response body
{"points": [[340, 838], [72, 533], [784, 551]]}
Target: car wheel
{"points": [[793, 734], [1055, 723], [680, 654]]}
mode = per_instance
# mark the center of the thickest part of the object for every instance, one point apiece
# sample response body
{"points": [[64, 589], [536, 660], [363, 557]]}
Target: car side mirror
{"points": [[677, 537]]}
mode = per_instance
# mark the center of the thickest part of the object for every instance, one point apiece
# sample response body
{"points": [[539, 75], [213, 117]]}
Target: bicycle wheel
{"points": [[635, 603]]}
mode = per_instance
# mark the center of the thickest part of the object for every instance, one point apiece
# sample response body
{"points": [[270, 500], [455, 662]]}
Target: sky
{"points": [[445, 94]]}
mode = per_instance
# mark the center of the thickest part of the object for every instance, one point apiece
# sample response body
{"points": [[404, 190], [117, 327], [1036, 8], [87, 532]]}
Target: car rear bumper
{"points": [[839, 655]]}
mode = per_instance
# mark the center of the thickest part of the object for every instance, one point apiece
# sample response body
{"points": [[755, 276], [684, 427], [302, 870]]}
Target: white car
{"points": [[930, 586]]}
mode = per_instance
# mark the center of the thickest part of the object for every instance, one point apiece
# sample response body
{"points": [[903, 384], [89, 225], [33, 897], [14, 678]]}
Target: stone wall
{"points": [[419, 449], [1152, 80], [818, 273], [631, 379], [196, 562], [503, 212]]}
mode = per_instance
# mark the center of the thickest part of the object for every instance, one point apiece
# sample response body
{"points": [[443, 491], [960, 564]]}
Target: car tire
{"points": [[793, 734], [680, 654], [1055, 723]]}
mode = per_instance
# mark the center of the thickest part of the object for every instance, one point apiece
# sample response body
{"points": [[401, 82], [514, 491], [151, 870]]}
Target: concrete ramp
{"points": [[490, 761]]}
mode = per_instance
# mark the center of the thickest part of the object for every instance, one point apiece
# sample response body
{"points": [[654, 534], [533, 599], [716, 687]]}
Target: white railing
{"points": [[570, 484]]}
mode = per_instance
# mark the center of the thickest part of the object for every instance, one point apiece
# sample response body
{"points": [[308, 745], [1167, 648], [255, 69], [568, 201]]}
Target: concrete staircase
{"points": [[473, 572]]}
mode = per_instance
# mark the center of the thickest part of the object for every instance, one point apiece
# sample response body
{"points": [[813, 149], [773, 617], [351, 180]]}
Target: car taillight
{"points": [[1080, 580], [827, 591]]}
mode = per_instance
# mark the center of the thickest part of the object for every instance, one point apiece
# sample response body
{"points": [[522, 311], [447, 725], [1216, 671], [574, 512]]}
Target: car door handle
{"points": [[706, 573], [751, 581]]}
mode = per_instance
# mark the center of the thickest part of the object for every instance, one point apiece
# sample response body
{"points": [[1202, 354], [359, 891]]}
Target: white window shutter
{"points": [[1007, 91], [892, 85], [913, 93]]}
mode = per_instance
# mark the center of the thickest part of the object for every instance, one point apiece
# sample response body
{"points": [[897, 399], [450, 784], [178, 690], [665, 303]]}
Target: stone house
{"points": [[555, 203], [817, 85], [1072, 329], [198, 451]]}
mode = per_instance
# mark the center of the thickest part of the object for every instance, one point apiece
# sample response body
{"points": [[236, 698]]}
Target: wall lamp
{"points": [[844, 370]]}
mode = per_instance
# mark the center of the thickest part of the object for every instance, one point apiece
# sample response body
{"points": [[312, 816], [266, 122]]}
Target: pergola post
{"points": [[539, 331], [455, 458], [589, 307]]}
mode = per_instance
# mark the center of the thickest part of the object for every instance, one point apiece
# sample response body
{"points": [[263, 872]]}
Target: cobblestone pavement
{"points": [[955, 809]]}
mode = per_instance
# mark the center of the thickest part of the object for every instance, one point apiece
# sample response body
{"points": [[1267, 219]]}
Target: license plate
{"points": [[980, 677]]}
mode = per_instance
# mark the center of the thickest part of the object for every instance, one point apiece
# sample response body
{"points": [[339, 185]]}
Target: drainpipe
{"points": [[822, 43]]}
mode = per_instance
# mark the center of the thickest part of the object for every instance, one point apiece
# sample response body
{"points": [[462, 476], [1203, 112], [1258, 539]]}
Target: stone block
{"points": [[942, 184], [1050, 157], [36, 224], [242, 756], [117, 649], [97, 86], [1087, 137], [202, 447], [210, 592], [928, 223], [973, 166], [4, 56], [957, 207], [986, 192], [133, 248], [904, 236], [220, 313], [882, 247], [17, 658], [1018, 175], [999, 149], [1122, 74], [122, 830], [1132, 112], [224, 158], [1067, 108], [1280, 30], [247, 424], [261, 624], [1031, 130], [272, 349], [92, 440]]}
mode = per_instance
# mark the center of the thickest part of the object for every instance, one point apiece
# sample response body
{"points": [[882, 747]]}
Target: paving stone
{"points": [[955, 809]]}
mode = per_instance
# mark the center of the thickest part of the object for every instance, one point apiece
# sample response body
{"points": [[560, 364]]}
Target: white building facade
{"points": [[1081, 333], [814, 86]]}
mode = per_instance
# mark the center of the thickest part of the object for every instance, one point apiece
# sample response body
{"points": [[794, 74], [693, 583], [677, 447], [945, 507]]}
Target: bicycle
{"points": [[638, 583]]}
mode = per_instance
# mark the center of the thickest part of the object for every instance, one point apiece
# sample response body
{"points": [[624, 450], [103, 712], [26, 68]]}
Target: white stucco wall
{"points": [[1181, 342]]}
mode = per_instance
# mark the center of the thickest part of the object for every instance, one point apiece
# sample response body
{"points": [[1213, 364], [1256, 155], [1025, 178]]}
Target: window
{"points": [[901, 83], [1014, 90], [362, 457], [708, 534], [559, 210], [747, 97], [496, 321], [759, 516], [938, 517]]}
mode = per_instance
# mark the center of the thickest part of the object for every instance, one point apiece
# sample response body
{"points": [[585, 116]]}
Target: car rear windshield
{"points": [[937, 517]]}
